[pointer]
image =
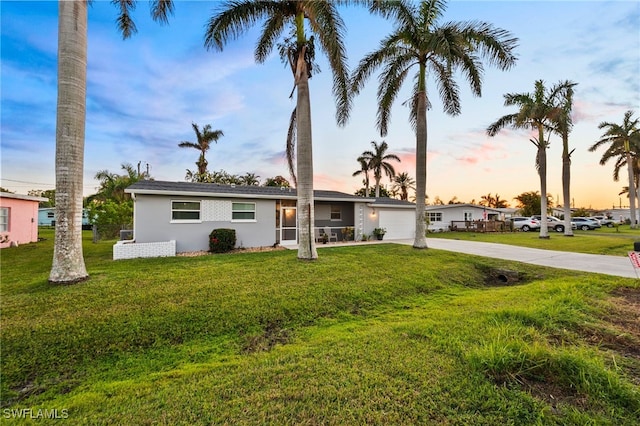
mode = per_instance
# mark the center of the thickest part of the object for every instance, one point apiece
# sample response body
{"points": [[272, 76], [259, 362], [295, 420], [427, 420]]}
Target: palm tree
{"points": [[623, 145], [68, 261], [537, 111], [204, 139], [250, 179], [112, 185], [378, 161], [491, 201], [325, 25], [438, 51], [403, 183], [364, 170], [564, 124]]}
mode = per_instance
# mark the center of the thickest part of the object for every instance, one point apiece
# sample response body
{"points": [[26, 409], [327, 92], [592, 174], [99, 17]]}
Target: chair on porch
{"points": [[318, 235], [332, 235]]}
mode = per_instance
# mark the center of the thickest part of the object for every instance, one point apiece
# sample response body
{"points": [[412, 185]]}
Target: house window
{"points": [[336, 213], [51, 215], [468, 215], [435, 217], [243, 212], [4, 219], [185, 210]]}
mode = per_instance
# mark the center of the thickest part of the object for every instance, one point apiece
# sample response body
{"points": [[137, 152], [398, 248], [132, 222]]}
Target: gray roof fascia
{"points": [[228, 191]]}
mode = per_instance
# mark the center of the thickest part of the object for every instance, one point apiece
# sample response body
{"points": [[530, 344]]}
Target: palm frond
{"points": [[124, 21]]}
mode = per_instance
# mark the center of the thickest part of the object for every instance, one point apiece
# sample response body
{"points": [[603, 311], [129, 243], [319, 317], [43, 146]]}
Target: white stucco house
{"points": [[443, 217], [181, 215]]}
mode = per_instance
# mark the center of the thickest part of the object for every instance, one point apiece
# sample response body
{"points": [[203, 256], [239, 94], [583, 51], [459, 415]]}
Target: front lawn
{"points": [[371, 334], [610, 241]]}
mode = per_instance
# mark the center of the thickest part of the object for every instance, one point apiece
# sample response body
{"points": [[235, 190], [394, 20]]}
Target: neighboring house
{"points": [[18, 214], [187, 212], [47, 217], [441, 217]]}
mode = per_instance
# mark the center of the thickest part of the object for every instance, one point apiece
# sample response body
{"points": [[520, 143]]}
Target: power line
{"points": [[35, 183]]}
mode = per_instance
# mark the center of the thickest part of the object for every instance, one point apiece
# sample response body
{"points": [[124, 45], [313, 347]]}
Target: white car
{"points": [[525, 224], [603, 221]]}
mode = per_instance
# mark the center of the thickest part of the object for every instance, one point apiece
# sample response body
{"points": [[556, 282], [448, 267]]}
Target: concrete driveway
{"points": [[611, 265]]}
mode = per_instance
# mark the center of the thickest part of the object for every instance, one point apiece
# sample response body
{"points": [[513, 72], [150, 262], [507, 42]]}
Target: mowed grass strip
{"points": [[367, 334], [609, 241]]}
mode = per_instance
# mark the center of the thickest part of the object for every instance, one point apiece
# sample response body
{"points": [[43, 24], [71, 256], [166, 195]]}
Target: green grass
{"points": [[371, 334], [609, 241]]}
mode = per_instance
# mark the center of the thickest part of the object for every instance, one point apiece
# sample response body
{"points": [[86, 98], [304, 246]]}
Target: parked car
{"points": [[553, 223], [525, 224], [585, 223], [604, 221]]}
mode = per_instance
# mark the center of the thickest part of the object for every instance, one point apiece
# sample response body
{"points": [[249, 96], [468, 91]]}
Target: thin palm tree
{"points": [[204, 138], [378, 160], [403, 183], [437, 51], [68, 262], [623, 142], [364, 170], [536, 111], [310, 21], [564, 125]]}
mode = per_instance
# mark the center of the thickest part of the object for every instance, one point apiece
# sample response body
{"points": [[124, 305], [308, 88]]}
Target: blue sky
{"points": [[143, 94]]}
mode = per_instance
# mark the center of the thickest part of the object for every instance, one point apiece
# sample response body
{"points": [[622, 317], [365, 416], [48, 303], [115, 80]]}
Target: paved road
{"points": [[611, 265]]}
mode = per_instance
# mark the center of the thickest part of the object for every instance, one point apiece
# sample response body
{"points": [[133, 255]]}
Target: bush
{"points": [[222, 240]]}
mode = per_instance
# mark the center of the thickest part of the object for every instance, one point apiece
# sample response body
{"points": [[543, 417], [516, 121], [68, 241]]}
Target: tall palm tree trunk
{"points": [[632, 190], [542, 163], [306, 242], [68, 262], [420, 240], [566, 185]]}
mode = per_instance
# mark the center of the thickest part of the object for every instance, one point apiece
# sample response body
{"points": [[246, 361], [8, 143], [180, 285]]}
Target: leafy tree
{"points": [[309, 21], [204, 138], [378, 162], [277, 181], [47, 193], [536, 111], [437, 51], [530, 203], [622, 142], [403, 183], [364, 170], [384, 193], [68, 261], [111, 209]]}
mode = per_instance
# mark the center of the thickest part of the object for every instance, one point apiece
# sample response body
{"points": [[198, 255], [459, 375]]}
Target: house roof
{"points": [[196, 189], [466, 205], [22, 197]]}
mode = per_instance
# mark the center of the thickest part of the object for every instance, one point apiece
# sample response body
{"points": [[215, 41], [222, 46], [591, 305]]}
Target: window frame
{"points": [[339, 211], [432, 215], [5, 214], [198, 220], [254, 211]]}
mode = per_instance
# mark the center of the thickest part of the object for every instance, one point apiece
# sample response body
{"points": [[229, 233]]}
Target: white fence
{"points": [[131, 250]]}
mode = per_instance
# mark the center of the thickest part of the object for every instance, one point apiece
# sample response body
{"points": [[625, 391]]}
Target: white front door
{"points": [[288, 225]]}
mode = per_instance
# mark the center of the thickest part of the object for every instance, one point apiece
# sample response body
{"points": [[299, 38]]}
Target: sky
{"points": [[143, 93]]}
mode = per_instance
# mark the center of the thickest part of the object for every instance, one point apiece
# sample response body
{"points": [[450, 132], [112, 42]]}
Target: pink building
{"points": [[18, 219]]}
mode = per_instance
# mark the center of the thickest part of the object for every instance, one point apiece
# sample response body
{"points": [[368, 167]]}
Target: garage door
{"points": [[400, 224]]}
